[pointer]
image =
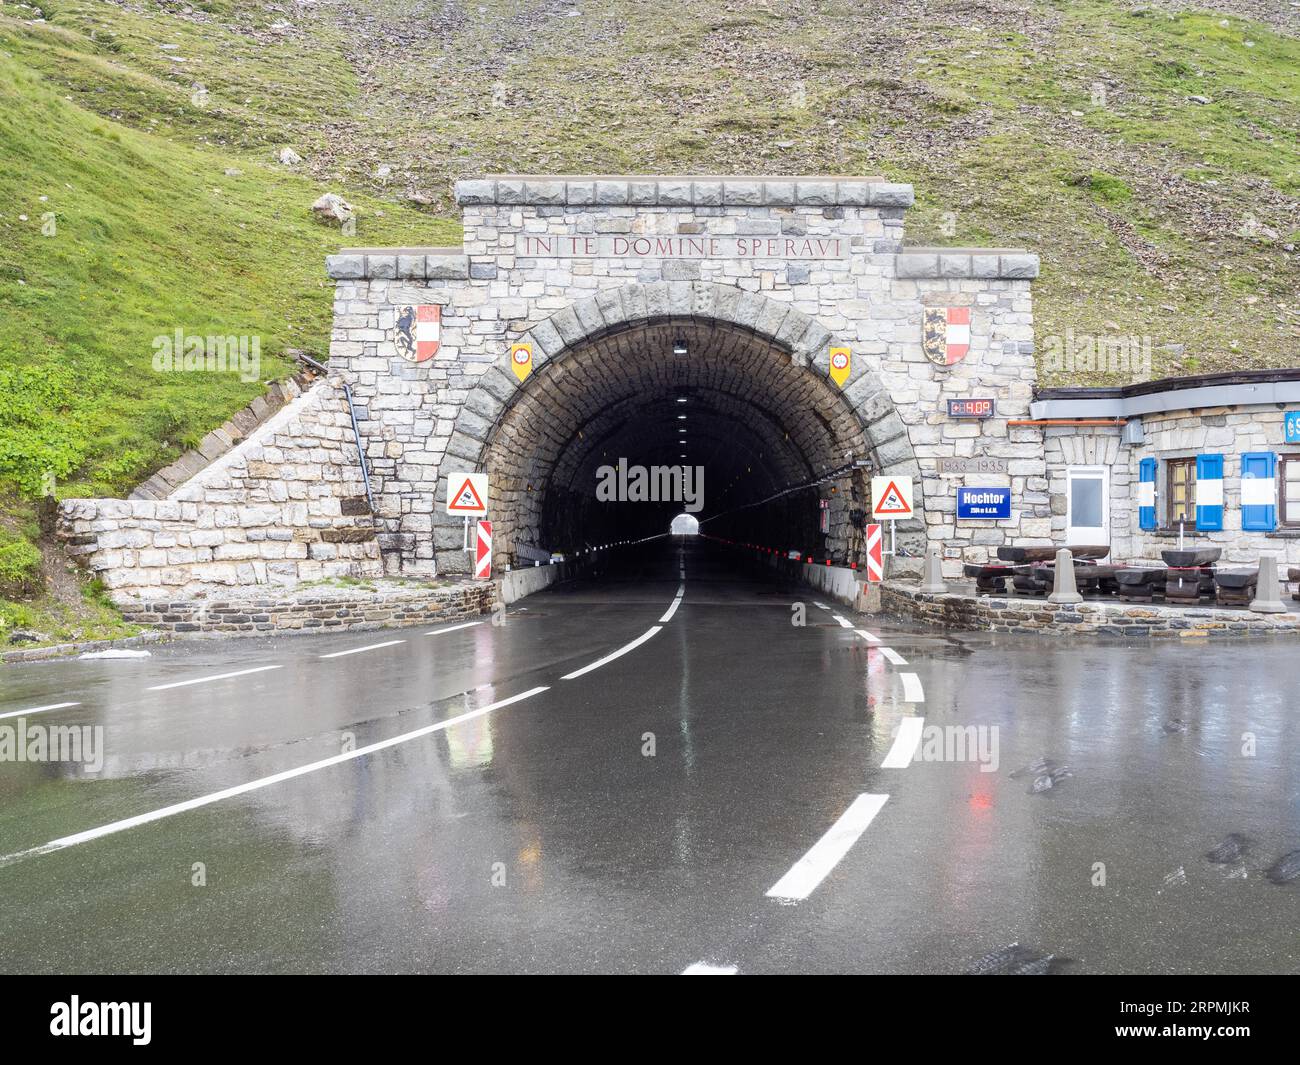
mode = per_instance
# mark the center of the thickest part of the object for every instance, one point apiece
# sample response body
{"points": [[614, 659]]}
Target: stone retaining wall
{"points": [[1095, 618], [286, 505], [316, 609]]}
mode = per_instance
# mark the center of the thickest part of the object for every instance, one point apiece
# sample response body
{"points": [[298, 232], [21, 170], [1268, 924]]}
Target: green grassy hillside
{"points": [[1151, 155]]}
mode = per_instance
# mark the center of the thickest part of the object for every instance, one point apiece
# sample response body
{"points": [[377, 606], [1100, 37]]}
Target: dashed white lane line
{"points": [[820, 606], [912, 690], [868, 636], [844, 623], [812, 868], [263, 782], [38, 709], [905, 743], [704, 968], [614, 654], [453, 628], [677, 601], [893, 656], [368, 647], [214, 676]]}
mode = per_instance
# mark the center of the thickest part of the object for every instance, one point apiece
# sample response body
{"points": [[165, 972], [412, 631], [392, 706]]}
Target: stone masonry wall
{"points": [[417, 415], [315, 609], [287, 505], [1230, 431]]}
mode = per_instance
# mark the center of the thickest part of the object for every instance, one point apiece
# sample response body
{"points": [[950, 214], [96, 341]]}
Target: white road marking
{"points": [[38, 709], [368, 647], [455, 628], [905, 743], [614, 654], [820, 606], [704, 968], [912, 690], [893, 656], [215, 676], [261, 782], [677, 601], [811, 869], [844, 622], [869, 637]]}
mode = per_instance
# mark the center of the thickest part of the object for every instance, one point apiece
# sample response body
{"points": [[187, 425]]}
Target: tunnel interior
{"points": [[765, 450]]}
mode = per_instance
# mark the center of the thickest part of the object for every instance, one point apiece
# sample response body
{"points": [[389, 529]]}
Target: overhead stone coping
{"points": [[696, 190], [1013, 264], [432, 264]]}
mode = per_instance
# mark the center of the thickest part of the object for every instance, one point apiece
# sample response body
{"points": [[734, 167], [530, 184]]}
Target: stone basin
{"points": [[1135, 577], [1048, 554], [1187, 559]]}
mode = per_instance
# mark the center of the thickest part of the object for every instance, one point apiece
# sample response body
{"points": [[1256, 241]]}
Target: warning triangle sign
{"points": [[892, 501], [466, 500]]}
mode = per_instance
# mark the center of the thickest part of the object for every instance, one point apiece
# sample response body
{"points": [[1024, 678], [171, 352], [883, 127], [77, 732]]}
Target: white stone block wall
{"points": [[286, 506], [1230, 431]]}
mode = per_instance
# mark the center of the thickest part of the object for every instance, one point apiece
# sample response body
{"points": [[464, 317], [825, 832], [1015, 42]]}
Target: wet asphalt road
{"points": [[541, 837]]}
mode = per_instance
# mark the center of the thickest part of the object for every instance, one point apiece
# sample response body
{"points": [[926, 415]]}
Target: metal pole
{"points": [[356, 431], [361, 451]]}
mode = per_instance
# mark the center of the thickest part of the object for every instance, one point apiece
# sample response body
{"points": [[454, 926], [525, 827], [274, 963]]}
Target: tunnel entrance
{"points": [[621, 430]]}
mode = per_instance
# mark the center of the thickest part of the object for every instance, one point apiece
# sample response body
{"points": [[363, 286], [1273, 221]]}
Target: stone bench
{"points": [[1048, 554], [1235, 588], [1140, 585], [989, 580], [1191, 572]]}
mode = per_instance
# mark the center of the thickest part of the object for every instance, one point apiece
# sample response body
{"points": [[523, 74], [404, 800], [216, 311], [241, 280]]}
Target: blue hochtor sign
{"points": [[988, 503]]}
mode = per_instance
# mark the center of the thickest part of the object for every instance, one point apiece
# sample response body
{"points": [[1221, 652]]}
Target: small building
{"points": [[1214, 458]]}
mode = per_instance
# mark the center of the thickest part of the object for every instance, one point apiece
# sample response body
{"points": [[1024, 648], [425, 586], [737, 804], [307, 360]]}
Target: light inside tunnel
{"points": [[685, 525], [593, 433]]}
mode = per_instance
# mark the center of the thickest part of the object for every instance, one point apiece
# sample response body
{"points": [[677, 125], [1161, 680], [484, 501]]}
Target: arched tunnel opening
{"points": [[622, 432]]}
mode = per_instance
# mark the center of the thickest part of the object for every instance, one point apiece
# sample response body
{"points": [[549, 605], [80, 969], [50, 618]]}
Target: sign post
{"points": [[891, 499]]}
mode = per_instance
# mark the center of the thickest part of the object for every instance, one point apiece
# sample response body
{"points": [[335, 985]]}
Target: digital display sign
{"points": [[972, 408]]}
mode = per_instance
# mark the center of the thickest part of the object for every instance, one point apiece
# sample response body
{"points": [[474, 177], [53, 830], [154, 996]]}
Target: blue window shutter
{"points": [[1147, 495], [1258, 515], [1209, 484]]}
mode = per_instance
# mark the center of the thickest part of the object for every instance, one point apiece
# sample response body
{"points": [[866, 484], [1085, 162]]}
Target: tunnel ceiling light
{"points": [[681, 417], [681, 399], [679, 347]]}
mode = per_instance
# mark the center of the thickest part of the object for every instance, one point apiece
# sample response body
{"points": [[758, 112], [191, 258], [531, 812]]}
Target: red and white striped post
{"points": [[875, 554], [483, 551]]}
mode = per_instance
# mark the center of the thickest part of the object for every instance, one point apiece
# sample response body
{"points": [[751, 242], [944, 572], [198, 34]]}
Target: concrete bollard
{"points": [[1064, 590], [1268, 593], [932, 581]]}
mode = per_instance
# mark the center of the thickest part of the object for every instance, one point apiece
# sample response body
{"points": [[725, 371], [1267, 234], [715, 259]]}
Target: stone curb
{"points": [[1091, 618], [62, 650], [682, 191]]}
